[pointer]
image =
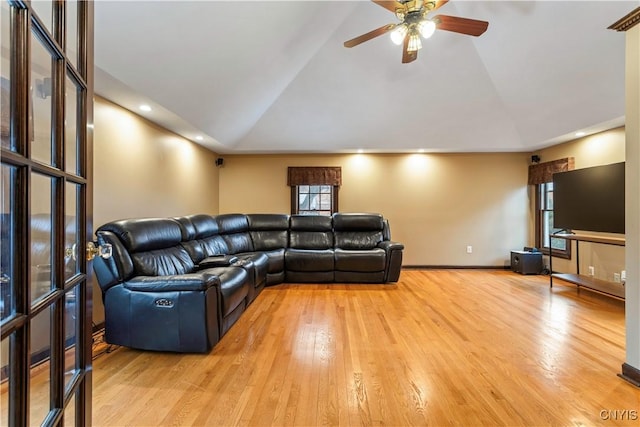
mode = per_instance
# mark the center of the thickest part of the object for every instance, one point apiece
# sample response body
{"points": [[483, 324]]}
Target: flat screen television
{"points": [[590, 199]]}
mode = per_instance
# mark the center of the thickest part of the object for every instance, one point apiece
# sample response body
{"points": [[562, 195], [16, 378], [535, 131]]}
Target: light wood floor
{"points": [[450, 347]]}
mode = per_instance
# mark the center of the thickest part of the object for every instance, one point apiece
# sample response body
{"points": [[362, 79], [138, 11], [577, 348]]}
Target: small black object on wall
{"points": [[219, 161]]}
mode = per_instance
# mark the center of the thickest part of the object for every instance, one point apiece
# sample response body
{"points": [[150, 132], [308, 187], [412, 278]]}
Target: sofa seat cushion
{"points": [[257, 263], [309, 260], [234, 286], [276, 260], [360, 260]]}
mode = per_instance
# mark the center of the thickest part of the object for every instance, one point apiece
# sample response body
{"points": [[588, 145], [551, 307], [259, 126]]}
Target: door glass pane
{"points": [[44, 10], [70, 413], [72, 32], [7, 232], [5, 70], [40, 114], [71, 333], [71, 126], [71, 234], [40, 373], [41, 236], [4, 386]]}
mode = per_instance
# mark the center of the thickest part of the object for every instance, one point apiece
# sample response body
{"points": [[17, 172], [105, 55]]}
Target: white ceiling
{"points": [[274, 77]]}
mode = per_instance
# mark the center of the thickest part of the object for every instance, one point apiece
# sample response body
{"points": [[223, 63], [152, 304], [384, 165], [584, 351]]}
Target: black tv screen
{"points": [[590, 199]]}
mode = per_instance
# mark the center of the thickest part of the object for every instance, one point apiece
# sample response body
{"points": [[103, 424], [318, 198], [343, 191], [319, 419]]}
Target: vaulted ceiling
{"points": [[274, 76]]}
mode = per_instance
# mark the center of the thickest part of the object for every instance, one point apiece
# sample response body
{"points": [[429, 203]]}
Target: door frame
{"points": [[68, 64]]}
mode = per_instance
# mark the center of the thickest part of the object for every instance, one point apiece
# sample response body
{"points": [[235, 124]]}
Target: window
{"points": [[314, 199], [544, 223], [314, 189]]}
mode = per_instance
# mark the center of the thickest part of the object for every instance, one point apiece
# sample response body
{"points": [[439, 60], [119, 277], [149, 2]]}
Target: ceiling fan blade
{"points": [[390, 5], [368, 36], [471, 27], [406, 55]]}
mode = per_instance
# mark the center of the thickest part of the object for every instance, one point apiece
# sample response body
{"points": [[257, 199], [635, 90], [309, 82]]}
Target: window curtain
{"points": [[314, 176], [543, 172]]}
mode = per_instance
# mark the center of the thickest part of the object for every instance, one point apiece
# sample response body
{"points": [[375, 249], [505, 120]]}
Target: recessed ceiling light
{"points": [[581, 133], [360, 151], [145, 107], [421, 150], [199, 138]]}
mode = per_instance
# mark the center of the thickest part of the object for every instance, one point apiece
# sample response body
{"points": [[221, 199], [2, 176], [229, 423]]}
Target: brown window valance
{"points": [[316, 175], [543, 172]]}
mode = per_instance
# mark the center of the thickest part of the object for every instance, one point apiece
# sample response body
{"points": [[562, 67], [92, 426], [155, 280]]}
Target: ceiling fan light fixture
{"points": [[398, 34], [427, 28], [415, 43]]}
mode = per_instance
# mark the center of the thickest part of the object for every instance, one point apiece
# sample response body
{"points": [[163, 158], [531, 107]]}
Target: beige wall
{"points": [[593, 150], [142, 170], [437, 204]]}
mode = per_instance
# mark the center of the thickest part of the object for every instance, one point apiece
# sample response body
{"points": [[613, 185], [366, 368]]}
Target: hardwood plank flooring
{"points": [[439, 348]]}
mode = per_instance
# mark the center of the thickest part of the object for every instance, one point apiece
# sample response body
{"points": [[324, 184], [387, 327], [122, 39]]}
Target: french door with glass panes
{"points": [[45, 307]]}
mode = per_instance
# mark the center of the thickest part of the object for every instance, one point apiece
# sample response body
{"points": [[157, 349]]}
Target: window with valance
{"points": [[314, 189], [541, 175]]}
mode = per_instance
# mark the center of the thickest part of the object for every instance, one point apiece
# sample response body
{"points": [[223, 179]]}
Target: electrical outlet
{"points": [[616, 277], [592, 271], [469, 249]]}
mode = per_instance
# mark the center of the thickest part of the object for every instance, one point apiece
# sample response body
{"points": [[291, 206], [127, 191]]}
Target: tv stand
{"points": [[603, 286]]}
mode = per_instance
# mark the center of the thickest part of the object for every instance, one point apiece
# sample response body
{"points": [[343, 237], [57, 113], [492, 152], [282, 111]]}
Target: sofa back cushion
{"points": [[200, 237], [153, 244], [162, 262], [204, 226], [357, 231], [310, 232], [269, 231], [234, 229]]}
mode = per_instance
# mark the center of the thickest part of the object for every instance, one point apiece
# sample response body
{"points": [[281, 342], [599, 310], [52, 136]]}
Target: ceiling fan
{"points": [[415, 22]]}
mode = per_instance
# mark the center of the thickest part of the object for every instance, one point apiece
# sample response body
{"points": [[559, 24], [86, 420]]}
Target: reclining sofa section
{"points": [[179, 284]]}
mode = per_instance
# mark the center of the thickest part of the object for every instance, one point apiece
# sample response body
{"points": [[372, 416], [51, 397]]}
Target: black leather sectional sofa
{"points": [[179, 284]]}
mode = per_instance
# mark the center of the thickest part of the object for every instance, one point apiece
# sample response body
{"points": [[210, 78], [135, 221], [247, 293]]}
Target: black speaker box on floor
{"points": [[524, 262]]}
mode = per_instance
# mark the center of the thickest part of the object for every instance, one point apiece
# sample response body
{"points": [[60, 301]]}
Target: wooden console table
{"points": [[604, 286]]}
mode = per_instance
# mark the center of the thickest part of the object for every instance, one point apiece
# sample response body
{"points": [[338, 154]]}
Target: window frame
{"points": [[542, 207], [295, 200]]}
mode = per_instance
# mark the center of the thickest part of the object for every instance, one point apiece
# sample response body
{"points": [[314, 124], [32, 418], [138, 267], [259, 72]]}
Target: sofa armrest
{"points": [[173, 283], [394, 259], [217, 261], [388, 245]]}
